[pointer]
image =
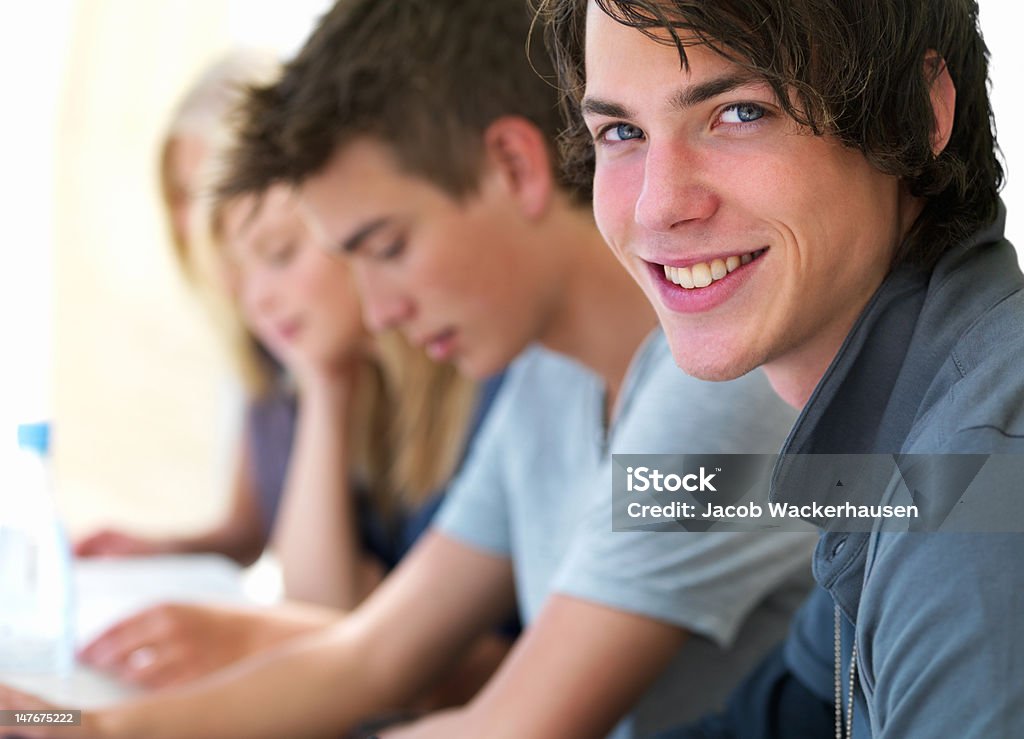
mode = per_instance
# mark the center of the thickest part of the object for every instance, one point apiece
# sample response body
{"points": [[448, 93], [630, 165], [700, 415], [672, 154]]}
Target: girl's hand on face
{"points": [[324, 381]]}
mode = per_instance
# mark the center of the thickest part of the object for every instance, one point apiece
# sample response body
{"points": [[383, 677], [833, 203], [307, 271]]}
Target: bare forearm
{"points": [[572, 675], [240, 543], [318, 686], [292, 619], [376, 659], [316, 535]]}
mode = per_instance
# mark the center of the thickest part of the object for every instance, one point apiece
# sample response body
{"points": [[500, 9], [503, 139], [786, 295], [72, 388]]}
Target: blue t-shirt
{"points": [[537, 490]]}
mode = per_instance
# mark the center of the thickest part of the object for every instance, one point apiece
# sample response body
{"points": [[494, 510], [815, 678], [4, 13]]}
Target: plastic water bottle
{"points": [[36, 614]]}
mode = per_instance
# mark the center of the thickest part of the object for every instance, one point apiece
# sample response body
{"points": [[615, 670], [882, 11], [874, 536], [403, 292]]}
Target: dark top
{"points": [[933, 366], [270, 432]]}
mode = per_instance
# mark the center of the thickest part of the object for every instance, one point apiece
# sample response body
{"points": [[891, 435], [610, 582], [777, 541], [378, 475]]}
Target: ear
{"points": [[517, 152], [943, 98]]}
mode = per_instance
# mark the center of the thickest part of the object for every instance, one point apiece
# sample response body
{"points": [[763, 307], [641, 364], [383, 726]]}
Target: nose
{"points": [[385, 305], [258, 294], [675, 189]]}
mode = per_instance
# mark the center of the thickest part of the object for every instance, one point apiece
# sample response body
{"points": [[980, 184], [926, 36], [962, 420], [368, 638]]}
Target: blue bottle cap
{"points": [[34, 437]]}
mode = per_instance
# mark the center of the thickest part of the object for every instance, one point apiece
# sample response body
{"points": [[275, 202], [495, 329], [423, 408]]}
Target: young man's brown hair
{"points": [[358, 77], [853, 70]]}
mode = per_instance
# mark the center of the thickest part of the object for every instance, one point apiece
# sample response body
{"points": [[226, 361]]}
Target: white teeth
{"points": [[685, 278], [703, 274], [680, 276]]}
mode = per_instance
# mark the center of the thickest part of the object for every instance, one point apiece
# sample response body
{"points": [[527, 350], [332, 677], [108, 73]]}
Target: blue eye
{"points": [[621, 132], [742, 113]]}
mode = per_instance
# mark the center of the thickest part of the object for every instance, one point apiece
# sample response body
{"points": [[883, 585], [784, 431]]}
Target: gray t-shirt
{"points": [[537, 489]]}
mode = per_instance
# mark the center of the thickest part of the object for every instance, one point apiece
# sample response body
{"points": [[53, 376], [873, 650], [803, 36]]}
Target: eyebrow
{"points": [[354, 242], [681, 99], [690, 96], [597, 106]]}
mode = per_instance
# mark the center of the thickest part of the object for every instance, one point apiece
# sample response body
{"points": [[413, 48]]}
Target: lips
{"points": [[441, 346], [697, 286], [702, 274]]}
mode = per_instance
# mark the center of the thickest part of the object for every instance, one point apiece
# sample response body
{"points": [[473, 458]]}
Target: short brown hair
{"points": [[425, 77], [853, 70]]}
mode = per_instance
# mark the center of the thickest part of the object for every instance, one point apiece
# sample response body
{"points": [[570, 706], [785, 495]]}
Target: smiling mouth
{"points": [[703, 274]]}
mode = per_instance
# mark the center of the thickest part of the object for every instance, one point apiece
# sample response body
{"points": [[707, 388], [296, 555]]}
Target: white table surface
{"points": [[109, 589]]}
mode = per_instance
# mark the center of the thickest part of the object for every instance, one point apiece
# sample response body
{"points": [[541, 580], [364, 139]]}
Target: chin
{"points": [[471, 367], [720, 366], [482, 365]]}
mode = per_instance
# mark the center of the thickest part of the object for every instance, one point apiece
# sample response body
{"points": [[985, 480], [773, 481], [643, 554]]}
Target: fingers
{"points": [[113, 650], [167, 666], [164, 645], [111, 543], [92, 545], [160, 666]]}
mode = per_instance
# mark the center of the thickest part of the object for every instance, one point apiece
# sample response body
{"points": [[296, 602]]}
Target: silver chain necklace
{"points": [[838, 676]]}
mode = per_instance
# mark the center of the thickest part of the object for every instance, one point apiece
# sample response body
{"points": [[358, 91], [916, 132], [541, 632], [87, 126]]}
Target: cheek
{"points": [[458, 263], [616, 188], [348, 308], [314, 283], [334, 292]]}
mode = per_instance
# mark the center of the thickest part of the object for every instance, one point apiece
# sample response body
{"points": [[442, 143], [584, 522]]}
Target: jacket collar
{"points": [[867, 401], [882, 379]]}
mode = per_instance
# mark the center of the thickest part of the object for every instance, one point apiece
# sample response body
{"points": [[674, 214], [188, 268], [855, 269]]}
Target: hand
{"points": [[112, 543], [174, 643], [15, 700], [321, 382]]}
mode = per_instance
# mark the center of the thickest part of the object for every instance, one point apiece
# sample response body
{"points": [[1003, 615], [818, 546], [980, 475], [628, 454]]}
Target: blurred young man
{"points": [[422, 138], [843, 153]]}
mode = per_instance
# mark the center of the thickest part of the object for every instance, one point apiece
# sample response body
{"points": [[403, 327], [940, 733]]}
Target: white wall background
{"points": [[1001, 21], [98, 331]]}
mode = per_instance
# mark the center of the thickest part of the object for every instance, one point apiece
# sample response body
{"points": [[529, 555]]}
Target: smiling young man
{"points": [[811, 188], [422, 138]]}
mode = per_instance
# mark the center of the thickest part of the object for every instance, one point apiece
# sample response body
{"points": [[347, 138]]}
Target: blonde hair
{"points": [[204, 112], [434, 406], [409, 424]]}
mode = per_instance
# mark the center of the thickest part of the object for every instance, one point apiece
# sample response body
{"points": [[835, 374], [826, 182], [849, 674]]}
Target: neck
{"points": [[603, 315], [795, 376]]}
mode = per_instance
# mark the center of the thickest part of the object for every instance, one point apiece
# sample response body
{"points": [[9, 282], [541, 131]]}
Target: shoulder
{"points": [[540, 372], [541, 393], [982, 409]]}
